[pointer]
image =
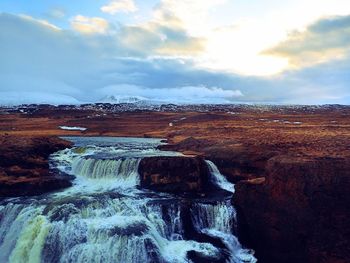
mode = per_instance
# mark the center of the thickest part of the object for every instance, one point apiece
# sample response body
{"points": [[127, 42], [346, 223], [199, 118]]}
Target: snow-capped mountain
{"points": [[123, 99]]}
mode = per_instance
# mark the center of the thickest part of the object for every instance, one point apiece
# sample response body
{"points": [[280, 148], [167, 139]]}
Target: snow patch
{"points": [[72, 128], [281, 121]]}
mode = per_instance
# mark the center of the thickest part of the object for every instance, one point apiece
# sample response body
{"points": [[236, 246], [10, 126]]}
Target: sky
{"points": [[189, 51]]}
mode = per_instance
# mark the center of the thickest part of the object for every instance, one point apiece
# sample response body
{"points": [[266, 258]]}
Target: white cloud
{"points": [[186, 94], [193, 14], [89, 25], [116, 6], [16, 98], [255, 27], [155, 38], [40, 21], [324, 40], [56, 13]]}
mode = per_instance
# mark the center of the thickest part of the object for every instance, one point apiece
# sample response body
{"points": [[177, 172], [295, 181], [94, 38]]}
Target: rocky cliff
{"points": [[174, 174], [236, 161], [300, 213], [24, 167]]}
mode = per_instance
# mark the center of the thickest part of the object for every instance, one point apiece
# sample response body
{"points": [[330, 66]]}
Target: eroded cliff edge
{"points": [[300, 213], [177, 174], [24, 165]]}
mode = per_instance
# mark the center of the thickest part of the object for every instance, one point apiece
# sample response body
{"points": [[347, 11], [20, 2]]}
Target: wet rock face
{"points": [[174, 174], [24, 167], [300, 213]]}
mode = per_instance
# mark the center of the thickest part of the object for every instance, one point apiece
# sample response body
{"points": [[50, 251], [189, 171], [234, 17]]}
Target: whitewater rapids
{"points": [[106, 217]]}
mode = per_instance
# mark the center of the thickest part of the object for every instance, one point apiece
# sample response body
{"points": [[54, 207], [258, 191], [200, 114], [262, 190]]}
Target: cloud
{"points": [[38, 59], [188, 94], [192, 13], [56, 13], [116, 6], [322, 41], [164, 34], [89, 25], [80, 66], [39, 21], [160, 39], [152, 38], [16, 98]]}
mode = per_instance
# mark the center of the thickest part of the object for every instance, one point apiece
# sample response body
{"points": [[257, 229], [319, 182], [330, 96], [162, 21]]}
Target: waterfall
{"points": [[218, 220], [220, 216], [105, 218], [23, 233], [103, 229], [124, 170], [97, 230], [107, 169], [218, 179]]}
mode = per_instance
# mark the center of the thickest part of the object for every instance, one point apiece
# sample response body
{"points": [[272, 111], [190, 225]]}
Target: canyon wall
{"points": [[300, 213]]}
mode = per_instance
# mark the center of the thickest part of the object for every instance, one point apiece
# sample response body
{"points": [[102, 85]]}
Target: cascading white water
{"points": [[108, 169], [99, 229], [122, 171], [218, 179], [105, 218], [217, 220]]}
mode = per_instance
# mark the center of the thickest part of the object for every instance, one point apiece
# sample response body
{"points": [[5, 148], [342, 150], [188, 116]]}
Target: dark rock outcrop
{"points": [[238, 162], [176, 174], [24, 167], [300, 213], [189, 143], [234, 160], [27, 186]]}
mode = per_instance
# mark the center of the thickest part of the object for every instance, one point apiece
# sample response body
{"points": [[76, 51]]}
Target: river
{"points": [[106, 217]]}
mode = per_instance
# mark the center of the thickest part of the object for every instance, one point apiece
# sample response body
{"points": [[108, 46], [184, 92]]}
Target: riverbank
{"points": [[24, 167]]}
